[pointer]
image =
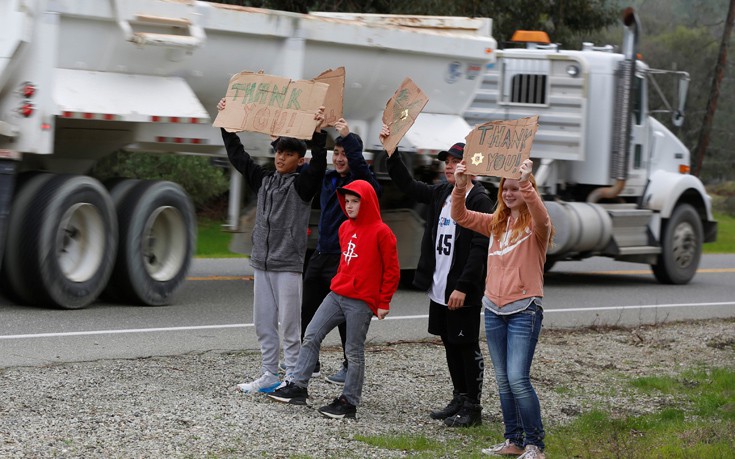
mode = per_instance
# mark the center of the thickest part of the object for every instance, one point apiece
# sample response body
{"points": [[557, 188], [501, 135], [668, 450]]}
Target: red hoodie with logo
{"points": [[368, 269]]}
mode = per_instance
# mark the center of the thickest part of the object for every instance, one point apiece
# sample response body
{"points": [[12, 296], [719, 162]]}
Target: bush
{"points": [[201, 180], [723, 197]]}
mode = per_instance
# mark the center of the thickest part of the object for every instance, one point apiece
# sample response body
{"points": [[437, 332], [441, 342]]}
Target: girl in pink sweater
{"points": [[520, 230]]}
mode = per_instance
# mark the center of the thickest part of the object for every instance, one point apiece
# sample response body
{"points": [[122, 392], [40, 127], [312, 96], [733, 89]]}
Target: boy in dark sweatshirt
{"points": [[366, 280]]}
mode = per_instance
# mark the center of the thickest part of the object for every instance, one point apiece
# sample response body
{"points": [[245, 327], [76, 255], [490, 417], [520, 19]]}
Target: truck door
{"points": [[640, 152]]}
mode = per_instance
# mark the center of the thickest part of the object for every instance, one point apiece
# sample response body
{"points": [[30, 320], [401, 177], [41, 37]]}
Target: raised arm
{"points": [[539, 214], [239, 158], [359, 168], [309, 181], [476, 221], [401, 176]]}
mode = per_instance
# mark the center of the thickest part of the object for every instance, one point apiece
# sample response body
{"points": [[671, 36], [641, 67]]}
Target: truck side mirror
{"points": [[677, 116]]}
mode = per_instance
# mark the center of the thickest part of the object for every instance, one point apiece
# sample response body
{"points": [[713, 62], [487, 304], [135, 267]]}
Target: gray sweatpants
{"points": [[277, 298]]}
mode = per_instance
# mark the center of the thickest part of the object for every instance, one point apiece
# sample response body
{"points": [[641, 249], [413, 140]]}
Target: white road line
{"points": [[642, 306], [419, 316], [123, 331]]}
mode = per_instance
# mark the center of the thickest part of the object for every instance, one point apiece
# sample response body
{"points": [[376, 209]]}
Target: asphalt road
{"points": [[213, 311]]}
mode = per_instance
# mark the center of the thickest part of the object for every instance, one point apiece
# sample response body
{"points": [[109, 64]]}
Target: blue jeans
{"points": [[335, 310], [511, 341]]}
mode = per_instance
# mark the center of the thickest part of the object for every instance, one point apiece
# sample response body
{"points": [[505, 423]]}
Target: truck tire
{"points": [[118, 188], [681, 247], [67, 242], [11, 279], [157, 241]]}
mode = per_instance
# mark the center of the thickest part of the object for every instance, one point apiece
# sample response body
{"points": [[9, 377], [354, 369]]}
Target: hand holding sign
{"points": [[498, 148], [526, 169], [460, 176], [333, 102], [400, 113]]}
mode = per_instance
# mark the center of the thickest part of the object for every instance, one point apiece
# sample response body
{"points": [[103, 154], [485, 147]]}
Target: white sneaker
{"points": [[267, 383]]}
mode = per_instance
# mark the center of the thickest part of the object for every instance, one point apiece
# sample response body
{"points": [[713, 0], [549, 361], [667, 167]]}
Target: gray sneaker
{"points": [[339, 377]]}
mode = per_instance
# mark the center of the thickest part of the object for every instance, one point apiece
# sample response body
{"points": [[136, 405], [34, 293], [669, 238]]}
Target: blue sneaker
{"points": [[267, 383], [339, 377]]}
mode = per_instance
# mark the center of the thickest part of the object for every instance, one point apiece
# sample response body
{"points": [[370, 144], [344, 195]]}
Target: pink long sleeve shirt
{"points": [[515, 269]]}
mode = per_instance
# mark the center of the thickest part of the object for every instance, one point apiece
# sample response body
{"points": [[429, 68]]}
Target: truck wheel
{"points": [[681, 247], [26, 187], [118, 188], [68, 242], [157, 241]]}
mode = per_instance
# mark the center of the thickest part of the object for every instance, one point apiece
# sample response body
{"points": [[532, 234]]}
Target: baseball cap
{"points": [[457, 151]]}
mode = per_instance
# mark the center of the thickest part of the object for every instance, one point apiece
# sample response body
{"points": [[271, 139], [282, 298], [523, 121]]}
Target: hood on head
{"points": [[369, 205]]}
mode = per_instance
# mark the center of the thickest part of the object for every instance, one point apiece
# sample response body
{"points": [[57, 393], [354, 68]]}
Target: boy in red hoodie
{"points": [[364, 285]]}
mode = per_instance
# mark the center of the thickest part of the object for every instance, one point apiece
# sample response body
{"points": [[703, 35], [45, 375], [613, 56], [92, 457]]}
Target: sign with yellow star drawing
{"points": [[498, 148], [401, 111]]}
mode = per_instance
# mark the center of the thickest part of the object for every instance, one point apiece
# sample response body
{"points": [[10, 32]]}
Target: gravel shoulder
{"points": [[187, 405]]}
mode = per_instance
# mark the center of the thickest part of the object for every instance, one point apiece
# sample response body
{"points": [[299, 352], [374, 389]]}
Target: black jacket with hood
{"points": [[469, 260]]}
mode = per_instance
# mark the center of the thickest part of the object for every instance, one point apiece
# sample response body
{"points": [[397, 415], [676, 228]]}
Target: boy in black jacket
{"points": [[451, 270]]}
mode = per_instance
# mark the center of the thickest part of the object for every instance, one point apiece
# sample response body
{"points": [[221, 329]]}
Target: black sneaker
{"points": [[339, 408], [290, 393], [450, 410], [470, 415]]}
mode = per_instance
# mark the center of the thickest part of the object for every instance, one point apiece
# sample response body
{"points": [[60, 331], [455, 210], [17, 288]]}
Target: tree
{"points": [[561, 19], [201, 180], [715, 90]]}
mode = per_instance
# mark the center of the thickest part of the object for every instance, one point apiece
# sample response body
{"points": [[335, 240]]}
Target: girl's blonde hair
{"points": [[499, 222]]}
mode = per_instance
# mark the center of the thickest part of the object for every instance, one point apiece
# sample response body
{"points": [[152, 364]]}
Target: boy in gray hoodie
{"points": [[279, 243]]}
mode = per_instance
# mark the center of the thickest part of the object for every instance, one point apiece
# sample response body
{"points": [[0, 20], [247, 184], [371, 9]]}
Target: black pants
{"points": [[459, 331], [318, 276]]}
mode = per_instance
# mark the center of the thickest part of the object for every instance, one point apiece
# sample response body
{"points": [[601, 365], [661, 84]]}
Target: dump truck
{"points": [[615, 179], [82, 79]]}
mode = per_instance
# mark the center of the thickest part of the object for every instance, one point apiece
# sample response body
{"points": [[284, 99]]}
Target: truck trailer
{"points": [[81, 79]]}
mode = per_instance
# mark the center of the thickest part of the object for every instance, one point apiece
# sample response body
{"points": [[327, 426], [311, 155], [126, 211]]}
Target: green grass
{"points": [[406, 442], [725, 235], [212, 240], [697, 421]]}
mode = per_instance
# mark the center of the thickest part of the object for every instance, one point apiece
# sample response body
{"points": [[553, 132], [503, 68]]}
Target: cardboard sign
{"points": [[271, 105], [401, 111], [333, 103], [498, 148]]}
